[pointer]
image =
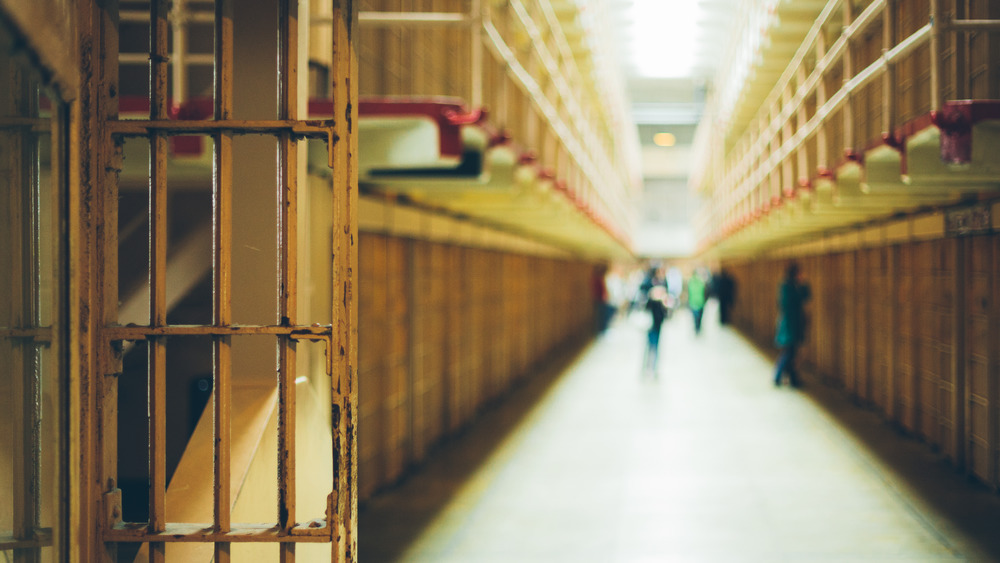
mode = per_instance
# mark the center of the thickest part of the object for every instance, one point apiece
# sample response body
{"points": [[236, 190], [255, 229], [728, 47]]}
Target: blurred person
{"points": [[656, 304], [724, 289], [633, 289], [616, 292], [792, 296], [696, 298], [599, 290], [675, 282]]}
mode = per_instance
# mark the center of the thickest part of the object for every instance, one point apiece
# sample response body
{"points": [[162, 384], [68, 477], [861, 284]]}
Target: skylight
{"points": [[664, 35]]}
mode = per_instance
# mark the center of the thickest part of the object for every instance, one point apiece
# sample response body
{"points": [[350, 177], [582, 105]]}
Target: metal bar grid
{"points": [[287, 129], [19, 289]]}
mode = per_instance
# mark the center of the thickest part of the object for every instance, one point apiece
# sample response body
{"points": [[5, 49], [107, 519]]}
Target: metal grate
{"points": [[288, 130], [32, 323]]}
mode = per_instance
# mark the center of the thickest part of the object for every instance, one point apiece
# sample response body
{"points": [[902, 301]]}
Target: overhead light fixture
{"points": [[664, 36], [664, 139]]}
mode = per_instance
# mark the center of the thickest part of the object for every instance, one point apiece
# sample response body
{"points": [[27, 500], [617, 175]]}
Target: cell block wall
{"points": [[445, 330], [909, 329]]}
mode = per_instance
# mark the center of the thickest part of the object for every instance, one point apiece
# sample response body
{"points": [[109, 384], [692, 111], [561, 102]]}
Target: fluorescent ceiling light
{"points": [[664, 35]]}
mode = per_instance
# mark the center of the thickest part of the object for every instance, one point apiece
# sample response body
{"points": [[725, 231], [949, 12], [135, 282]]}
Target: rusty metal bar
{"points": [[144, 332], [314, 128], [99, 276], [288, 33], [40, 334], [221, 276], [33, 124], [157, 276], [343, 502], [42, 538], [190, 59], [314, 531]]}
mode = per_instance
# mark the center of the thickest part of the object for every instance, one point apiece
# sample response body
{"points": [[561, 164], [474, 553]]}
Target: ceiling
{"points": [[670, 104]]}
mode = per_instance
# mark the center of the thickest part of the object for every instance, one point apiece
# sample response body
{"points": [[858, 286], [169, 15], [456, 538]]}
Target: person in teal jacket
{"points": [[696, 299], [790, 332]]}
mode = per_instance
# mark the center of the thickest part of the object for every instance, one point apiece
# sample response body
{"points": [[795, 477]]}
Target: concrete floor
{"points": [[594, 461]]}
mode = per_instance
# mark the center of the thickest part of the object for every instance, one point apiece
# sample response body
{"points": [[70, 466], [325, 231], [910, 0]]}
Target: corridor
{"points": [[595, 461]]}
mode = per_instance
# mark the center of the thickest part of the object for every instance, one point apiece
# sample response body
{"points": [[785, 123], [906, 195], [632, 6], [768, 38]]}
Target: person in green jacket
{"points": [[790, 332], [696, 298]]}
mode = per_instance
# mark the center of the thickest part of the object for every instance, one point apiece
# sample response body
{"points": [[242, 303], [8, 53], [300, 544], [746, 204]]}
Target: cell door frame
{"points": [[99, 340]]}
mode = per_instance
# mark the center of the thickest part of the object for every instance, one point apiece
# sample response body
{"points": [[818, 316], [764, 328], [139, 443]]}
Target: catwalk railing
{"points": [[528, 64], [863, 123]]}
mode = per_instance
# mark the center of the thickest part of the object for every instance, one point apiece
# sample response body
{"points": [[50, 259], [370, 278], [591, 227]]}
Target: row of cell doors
{"points": [[911, 330]]}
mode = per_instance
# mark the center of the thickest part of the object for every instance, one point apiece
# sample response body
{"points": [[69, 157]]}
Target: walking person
{"points": [[724, 289], [792, 296], [657, 305], [696, 298]]}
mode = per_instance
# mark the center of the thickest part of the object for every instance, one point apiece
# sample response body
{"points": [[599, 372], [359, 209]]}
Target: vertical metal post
{"points": [[222, 232], [889, 78], [788, 129], [802, 118], [822, 139], [848, 117], [157, 275], [993, 418], [344, 392], [18, 206], [178, 59], [94, 203], [960, 70], [937, 31], [476, 44], [288, 41]]}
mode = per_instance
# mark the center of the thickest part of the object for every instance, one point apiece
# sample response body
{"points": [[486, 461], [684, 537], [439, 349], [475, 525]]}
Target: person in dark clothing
{"points": [[792, 296], [724, 289], [656, 304], [599, 290]]}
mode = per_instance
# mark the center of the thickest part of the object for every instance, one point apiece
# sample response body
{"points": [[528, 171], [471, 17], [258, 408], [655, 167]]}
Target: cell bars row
{"points": [[287, 130], [29, 315]]}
